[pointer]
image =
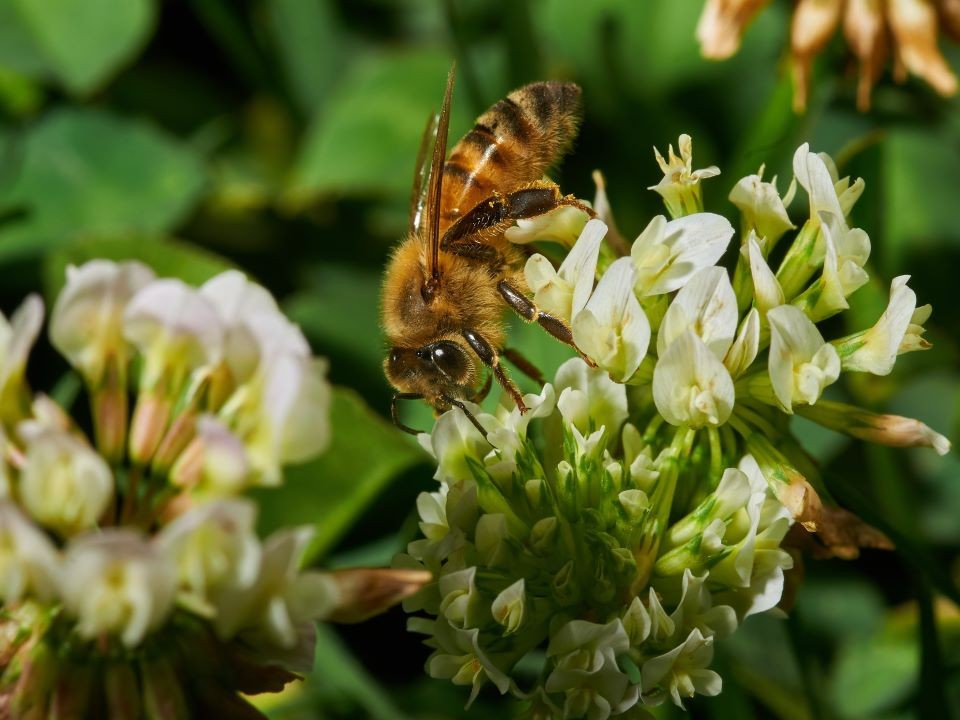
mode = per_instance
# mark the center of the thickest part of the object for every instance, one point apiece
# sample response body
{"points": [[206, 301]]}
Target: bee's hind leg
{"points": [[530, 312]]}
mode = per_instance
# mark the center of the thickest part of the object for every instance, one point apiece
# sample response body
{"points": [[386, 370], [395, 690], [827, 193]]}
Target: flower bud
{"points": [[509, 607], [680, 186]]}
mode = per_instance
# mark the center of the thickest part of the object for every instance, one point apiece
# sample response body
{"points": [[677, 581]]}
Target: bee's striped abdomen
{"points": [[512, 143]]}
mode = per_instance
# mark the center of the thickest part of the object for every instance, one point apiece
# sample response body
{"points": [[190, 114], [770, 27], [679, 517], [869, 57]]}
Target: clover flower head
{"points": [[906, 29], [135, 549], [635, 516]]}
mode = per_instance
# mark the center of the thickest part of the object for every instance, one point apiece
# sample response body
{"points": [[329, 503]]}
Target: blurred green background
{"points": [[279, 136]]}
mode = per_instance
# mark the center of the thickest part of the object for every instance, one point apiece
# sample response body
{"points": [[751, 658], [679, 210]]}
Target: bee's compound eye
{"points": [[451, 360], [394, 357]]}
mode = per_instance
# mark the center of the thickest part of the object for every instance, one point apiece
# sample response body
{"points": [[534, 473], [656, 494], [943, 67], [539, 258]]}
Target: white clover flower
{"points": [[238, 300], [875, 350], [279, 606], [680, 185], [585, 669], [745, 346], [589, 400], [667, 254], [564, 292], [708, 307], [801, 364], [215, 550], [29, 563], [458, 657], [86, 324], [696, 609], [691, 386], [293, 423], [216, 463], [682, 672], [454, 439], [761, 207], [767, 293], [563, 224], [847, 193], [17, 337], [509, 607], [459, 601], [115, 582], [64, 485], [612, 328], [175, 328], [814, 176], [507, 429], [755, 573]]}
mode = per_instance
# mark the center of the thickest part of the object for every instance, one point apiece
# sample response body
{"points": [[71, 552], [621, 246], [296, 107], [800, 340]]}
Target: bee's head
{"points": [[442, 368]]}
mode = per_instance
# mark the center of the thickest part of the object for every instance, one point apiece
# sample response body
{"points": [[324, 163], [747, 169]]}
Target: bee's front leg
{"points": [[489, 357], [525, 307]]}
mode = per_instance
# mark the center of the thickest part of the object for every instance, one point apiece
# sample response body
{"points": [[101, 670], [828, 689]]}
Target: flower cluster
{"points": [[634, 515], [871, 28], [131, 575]]}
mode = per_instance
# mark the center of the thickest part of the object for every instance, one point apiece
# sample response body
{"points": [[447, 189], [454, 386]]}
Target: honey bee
{"points": [[448, 283]]}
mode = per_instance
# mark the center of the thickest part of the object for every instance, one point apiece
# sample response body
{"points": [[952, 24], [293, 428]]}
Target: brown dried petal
{"points": [[365, 592], [915, 27], [864, 28], [721, 26]]}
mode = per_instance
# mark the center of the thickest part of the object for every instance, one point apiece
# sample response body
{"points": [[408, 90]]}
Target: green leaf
{"points": [[872, 675], [310, 44], [86, 173], [365, 139], [85, 41], [919, 190], [168, 258], [365, 454], [18, 50], [355, 333]]}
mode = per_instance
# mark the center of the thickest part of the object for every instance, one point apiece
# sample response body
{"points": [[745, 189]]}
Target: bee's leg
{"points": [[530, 312], [529, 202], [395, 413], [489, 357], [523, 365]]}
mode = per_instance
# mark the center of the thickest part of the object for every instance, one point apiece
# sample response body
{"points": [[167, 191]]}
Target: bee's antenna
{"points": [[470, 416]]}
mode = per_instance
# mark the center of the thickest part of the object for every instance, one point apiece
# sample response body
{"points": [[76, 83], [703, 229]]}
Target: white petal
{"points": [[668, 254], [766, 289], [691, 386], [708, 306], [812, 173], [746, 346], [612, 329]]}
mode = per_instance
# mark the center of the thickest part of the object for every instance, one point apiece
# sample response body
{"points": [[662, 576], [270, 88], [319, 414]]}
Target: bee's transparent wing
{"points": [[421, 177]]}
